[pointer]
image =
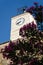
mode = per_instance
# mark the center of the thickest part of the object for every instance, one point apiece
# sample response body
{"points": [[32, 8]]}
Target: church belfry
{"points": [[17, 22]]}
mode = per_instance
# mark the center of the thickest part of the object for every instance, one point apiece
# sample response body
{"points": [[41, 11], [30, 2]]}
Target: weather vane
{"points": [[21, 10]]}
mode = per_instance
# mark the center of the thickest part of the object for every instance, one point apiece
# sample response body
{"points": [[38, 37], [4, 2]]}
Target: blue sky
{"points": [[8, 9]]}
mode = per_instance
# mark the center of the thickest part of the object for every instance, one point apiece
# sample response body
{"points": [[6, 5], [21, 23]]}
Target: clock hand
{"points": [[18, 22]]}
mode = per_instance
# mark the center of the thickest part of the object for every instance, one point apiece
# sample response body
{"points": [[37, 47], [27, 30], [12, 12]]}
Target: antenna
{"points": [[21, 10]]}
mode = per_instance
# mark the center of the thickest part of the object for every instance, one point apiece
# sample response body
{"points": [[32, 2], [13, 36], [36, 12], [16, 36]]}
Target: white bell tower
{"points": [[17, 22]]}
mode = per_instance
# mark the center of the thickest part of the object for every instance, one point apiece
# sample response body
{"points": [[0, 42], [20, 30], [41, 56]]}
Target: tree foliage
{"points": [[28, 50], [37, 12]]}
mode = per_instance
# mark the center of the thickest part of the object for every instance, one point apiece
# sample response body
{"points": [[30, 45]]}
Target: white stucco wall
{"points": [[15, 28]]}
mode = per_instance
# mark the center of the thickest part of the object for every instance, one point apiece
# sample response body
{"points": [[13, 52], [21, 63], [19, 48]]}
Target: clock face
{"points": [[20, 21]]}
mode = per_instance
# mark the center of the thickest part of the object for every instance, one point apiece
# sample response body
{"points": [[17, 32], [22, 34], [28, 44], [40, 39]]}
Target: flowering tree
{"points": [[37, 12], [28, 50]]}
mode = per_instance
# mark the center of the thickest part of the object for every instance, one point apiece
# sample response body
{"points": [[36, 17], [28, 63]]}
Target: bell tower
{"points": [[17, 22]]}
